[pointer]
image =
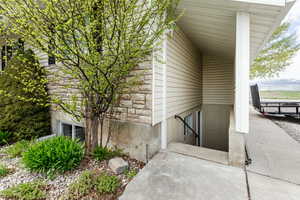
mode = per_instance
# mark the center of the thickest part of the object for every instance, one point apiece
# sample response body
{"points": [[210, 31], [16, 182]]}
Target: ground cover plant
{"points": [[106, 184], [131, 173], [4, 171], [57, 154], [26, 191], [18, 148], [105, 153], [91, 182], [82, 186]]}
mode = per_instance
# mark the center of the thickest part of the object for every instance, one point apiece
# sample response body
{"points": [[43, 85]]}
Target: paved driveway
{"points": [[275, 170], [273, 152]]}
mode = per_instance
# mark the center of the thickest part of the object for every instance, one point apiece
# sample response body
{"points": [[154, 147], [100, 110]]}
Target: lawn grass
{"points": [[287, 95]]}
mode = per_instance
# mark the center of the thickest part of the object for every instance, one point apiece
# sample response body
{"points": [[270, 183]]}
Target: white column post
{"points": [[242, 68]]}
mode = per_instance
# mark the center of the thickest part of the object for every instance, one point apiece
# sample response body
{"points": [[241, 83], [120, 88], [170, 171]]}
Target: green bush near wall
{"points": [[57, 154], [22, 119]]}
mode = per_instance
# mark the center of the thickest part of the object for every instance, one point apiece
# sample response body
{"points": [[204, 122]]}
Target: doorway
{"points": [[198, 122]]}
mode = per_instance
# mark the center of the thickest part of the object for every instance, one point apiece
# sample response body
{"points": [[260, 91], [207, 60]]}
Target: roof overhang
{"points": [[210, 24]]}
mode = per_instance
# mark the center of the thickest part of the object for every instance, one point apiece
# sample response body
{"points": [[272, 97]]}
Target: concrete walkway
{"points": [[273, 152], [172, 176]]}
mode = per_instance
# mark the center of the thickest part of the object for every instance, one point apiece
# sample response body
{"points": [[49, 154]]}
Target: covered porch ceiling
{"points": [[210, 24]]}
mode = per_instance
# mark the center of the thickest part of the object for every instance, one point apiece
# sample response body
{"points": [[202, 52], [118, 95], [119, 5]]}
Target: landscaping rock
{"points": [[118, 165]]}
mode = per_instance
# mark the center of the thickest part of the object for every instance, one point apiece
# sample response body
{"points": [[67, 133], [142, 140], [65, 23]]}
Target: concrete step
{"points": [[199, 152]]}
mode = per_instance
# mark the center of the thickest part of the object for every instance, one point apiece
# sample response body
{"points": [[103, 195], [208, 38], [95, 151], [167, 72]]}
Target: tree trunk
{"points": [[92, 132], [108, 134]]}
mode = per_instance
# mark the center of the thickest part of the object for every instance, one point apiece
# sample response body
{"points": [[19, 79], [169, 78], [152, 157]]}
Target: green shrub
{"points": [[17, 149], [131, 173], [82, 186], [25, 191], [107, 184], [104, 153], [88, 182], [57, 154], [4, 170], [5, 137], [22, 117]]}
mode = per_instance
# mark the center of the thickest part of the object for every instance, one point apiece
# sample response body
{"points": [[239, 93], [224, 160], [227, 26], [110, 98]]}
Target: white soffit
{"points": [[210, 24]]}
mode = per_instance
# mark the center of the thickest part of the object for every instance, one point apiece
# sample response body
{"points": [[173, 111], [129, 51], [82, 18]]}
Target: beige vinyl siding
{"points": [[218, 80], [42, 56], [183, 74]]}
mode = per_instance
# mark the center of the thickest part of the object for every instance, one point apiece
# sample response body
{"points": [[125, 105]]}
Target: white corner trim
{"points": [[164, 137], [153, 86], [242, 70]]}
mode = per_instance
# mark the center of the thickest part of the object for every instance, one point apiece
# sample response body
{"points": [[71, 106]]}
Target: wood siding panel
{"points": [[218, 80]]}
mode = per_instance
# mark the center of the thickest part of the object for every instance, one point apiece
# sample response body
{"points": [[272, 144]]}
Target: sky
{"points": [[293, 71]]}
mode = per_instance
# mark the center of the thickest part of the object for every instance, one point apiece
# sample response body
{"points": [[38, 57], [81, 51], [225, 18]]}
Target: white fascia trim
{"points": [[265, 2]]}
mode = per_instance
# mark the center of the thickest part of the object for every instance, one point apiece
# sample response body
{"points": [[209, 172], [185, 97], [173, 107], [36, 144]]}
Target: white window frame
{"points": [[60, 127]]}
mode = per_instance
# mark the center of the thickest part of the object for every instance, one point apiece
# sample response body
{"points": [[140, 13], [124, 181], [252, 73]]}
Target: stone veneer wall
{"points": [[132, 129], [135, 106]]}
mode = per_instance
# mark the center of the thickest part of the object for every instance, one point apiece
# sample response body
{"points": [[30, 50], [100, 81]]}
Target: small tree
{"points": [[24, 113], [276, 54], [96, 42]]}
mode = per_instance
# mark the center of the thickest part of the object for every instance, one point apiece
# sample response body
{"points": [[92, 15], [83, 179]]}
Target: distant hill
{"points": [[277, 85]]}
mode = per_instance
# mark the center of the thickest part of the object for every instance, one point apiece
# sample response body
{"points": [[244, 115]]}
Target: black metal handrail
{"points": [[188, 126]]}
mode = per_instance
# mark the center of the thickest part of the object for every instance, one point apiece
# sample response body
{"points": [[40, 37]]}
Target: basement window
{"points": [[73, 131]]}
